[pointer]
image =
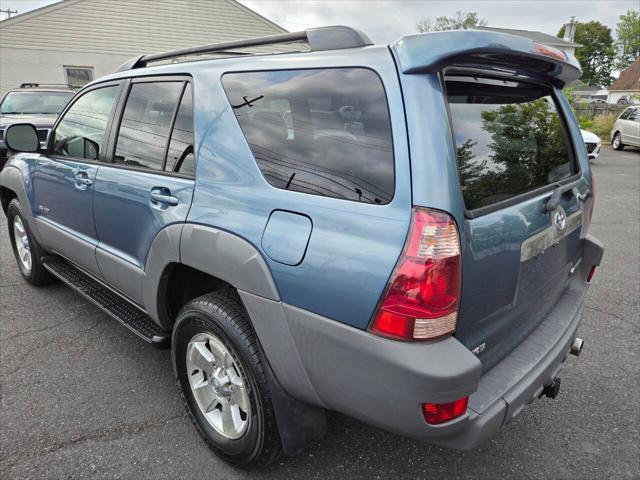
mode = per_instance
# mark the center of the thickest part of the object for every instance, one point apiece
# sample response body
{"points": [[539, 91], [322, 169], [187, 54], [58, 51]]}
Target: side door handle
{"points": [[82, 180], [162, 196]]}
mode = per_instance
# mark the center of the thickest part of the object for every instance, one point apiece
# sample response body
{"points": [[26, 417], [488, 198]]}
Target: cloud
{"points": [[385, 21]]}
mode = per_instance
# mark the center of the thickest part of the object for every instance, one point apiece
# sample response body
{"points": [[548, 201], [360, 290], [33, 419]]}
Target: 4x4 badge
{"points": [[560, 219]]}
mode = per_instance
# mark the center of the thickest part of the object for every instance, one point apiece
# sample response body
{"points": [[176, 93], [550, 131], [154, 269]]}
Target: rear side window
{"points": [[146, 124], [509, 138], [324, 132], [180, 157]]}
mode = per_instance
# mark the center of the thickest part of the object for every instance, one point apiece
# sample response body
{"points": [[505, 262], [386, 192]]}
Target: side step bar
{"points": [[114, 304]]}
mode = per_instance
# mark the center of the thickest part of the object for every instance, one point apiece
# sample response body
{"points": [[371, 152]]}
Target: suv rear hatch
{"points": [[522, 177]]}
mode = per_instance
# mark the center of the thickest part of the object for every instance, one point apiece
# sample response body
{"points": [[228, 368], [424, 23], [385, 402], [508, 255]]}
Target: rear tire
{"points": [[616, 143], [26, 249], [222, 382]]}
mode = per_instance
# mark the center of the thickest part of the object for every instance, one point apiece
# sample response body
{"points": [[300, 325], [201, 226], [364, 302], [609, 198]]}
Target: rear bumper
{"points": [[385, 382], [519, 378]]}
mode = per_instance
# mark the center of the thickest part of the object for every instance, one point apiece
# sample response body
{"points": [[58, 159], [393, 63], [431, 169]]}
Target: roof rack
{"points": [[42, 85], [323, 38]]}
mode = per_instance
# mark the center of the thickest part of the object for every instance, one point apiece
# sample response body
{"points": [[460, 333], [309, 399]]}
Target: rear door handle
{"points": [[164, 197], [554, 200]]}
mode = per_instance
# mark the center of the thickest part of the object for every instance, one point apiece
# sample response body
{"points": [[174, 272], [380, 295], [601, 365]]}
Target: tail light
{"points": [[422, 297], [549, 51], [436, 413]]}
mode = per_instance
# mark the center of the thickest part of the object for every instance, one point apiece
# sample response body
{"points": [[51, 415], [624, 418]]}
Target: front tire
{"points": [[221, 378], [26, 249], [616, 143]]}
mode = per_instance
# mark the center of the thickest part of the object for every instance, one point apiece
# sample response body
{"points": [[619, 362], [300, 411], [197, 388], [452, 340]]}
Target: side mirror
{"points": [[22, 137]]}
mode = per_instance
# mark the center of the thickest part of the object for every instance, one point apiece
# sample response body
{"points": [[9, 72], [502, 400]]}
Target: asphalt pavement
{"points": [[82, 397]]}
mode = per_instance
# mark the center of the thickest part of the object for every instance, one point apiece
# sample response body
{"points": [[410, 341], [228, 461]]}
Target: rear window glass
{"points": [[324, 132], [509, 138]]}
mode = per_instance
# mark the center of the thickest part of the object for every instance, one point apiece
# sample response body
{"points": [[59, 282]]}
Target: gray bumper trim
{"points": [[384, 382]]}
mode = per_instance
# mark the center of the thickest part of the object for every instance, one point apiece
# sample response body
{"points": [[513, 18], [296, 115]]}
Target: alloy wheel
{"points": [[22, 243], [219, 385]]}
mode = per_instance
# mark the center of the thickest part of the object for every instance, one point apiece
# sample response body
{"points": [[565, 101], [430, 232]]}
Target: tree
{"points": [[527, 142], [597, 53], [628, 41], [459, 21]]}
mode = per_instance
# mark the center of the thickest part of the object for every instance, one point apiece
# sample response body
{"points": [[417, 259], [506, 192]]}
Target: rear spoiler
{"points": [[432, 52]]}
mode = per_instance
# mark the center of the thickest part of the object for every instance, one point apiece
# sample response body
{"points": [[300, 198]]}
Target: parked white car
{"points": [[592, 142], [626, 130]]}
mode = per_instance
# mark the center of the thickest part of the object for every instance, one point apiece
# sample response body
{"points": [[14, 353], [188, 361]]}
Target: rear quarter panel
{"points": [[353, 246]]}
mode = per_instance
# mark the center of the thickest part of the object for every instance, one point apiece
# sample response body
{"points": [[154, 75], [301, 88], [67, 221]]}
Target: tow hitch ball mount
{"points": [[551, 390]]}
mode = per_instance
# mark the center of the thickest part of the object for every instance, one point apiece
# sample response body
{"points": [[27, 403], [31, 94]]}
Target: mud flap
{"points": [[299, 423]]}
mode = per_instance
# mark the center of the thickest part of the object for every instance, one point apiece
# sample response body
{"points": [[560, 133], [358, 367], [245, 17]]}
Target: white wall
{"points": [[616, 94], [105, 33], [19, 65]]}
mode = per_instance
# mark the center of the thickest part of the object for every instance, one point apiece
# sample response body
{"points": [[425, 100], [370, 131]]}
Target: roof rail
{"points": [[37, 85], [322, 38]]}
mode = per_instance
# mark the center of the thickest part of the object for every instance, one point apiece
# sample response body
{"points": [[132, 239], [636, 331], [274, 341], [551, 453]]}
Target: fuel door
{"points": [[286, 236]]}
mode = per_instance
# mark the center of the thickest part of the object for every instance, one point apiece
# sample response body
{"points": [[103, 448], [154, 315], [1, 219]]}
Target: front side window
{"points": [[80, 133], [324, 132], [35, 102], [146, 123], [509, 138]]}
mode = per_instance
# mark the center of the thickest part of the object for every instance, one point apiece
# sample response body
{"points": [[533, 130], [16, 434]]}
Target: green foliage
{"points": [[602, 125], [597, 53], [459, 21], [573, 101], [527, 141], [585, 123], [628, 39]]}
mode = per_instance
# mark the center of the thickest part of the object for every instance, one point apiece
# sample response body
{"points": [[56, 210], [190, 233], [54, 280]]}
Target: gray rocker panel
{"points": [[124, 276], [71, 247]]}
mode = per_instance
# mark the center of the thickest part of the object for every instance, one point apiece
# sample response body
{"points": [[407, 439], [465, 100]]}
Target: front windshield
{"points": [[35, 102]]}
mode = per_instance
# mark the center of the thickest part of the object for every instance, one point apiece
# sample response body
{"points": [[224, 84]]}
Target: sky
{"points": [[385, 21]]}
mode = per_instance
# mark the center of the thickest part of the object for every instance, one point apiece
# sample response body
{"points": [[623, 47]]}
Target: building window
{"points": [[78, 76]]}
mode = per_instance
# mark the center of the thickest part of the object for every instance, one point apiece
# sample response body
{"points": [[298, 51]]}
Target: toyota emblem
{"points": [[560, 219]]}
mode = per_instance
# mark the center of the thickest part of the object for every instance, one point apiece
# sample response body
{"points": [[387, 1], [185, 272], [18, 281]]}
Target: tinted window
{"points": [[633, 114], [509, 138], [325, 132], [35, 102], [180, 157], [146, 122], [80, 133], [625, 115]]}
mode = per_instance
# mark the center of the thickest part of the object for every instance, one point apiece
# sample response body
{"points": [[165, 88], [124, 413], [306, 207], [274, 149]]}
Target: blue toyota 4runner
{"points": [[398, 233]]}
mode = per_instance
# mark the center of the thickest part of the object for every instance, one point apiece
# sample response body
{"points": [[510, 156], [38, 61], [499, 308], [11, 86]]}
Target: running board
{"points": [[114, 304]]}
